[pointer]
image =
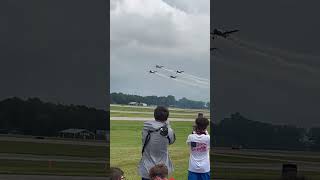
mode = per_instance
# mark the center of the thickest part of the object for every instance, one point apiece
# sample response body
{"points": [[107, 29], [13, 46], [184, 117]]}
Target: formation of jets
{"points": [[221, 33], [159, 67]]}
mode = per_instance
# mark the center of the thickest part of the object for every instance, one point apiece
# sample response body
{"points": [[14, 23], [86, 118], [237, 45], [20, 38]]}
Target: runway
{"points": [[264, 166], [53, 141], [30, 157], [149, 119], [46, 177], [270, 159], [260, 152], [151, 113]]}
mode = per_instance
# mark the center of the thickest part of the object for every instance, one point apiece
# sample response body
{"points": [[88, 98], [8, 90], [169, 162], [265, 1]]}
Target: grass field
{"points": [[53, 149], [245, 174], [125, 151], [125, 147], [57, 152], [56, 168]]}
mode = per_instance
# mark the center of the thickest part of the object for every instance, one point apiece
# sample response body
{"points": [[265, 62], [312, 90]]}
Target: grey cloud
{"points": [[139, 42], [273, 75], [191, 6], [157, 31]]}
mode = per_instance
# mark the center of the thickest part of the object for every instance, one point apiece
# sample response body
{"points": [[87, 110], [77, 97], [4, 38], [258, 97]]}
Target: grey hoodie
{"points": [[156, 151]]}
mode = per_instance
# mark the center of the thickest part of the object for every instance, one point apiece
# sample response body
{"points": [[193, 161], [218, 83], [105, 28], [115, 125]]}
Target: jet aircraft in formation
{"points": [[221, 33], [160, 66]]}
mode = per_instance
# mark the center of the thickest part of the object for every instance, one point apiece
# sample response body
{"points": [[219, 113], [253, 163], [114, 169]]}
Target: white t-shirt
{"points": [[199, 161]]}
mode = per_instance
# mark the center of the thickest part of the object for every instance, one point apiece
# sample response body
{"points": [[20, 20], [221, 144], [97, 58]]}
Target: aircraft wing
{"points": [[233, 31]]}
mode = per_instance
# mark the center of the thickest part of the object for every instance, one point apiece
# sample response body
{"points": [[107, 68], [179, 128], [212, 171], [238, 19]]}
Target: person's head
{"points": [[116, 174], [202, 124], [158, 172], [161, 113], [200, 115]]}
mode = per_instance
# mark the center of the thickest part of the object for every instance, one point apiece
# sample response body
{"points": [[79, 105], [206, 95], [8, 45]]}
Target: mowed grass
{"points": [[56, 168], [125, 147], [271, 158], [245, 174], [151, 109], [256, 174], [235, 159], [54, 149]]}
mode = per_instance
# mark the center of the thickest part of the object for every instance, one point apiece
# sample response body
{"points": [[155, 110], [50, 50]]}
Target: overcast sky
{"points": [[269, 71], [172, 33], [54, 50]]}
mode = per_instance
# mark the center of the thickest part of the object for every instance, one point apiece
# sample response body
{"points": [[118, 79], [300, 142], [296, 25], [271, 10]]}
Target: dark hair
{"points": [[159, 170], [161, 113], [200, 115], [202, 123], [116, 173]]}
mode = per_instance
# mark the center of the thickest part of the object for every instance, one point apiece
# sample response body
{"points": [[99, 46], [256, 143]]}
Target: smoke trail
{"points": [[197, 85], [196, 77], [274, 50], [196, 80], [182, 81], [189, 75], [169, 70], [161, 75], [281, 61]]}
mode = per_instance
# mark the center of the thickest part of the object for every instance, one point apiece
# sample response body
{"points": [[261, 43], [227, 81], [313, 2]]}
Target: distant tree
{"points": [[314, 135], [237, 130], [208, 105], [120, 98], [34, 117]]}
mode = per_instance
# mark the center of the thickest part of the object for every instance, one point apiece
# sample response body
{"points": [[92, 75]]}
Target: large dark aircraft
{"points": [[158, 66], [222, 33], [179, 71], [173, 77], [152, 71]]}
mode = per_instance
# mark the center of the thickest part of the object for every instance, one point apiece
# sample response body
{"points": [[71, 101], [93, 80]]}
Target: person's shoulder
{"points": [[191, 137], [207, 136], [204, 137]]}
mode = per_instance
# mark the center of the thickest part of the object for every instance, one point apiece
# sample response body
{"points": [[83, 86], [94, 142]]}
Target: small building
{"points": [[137, 104], [101, 134], [133, 104], [15, 132], [77, 133]]}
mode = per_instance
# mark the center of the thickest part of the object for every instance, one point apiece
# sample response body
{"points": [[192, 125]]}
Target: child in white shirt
{"points": [[199, 144]]}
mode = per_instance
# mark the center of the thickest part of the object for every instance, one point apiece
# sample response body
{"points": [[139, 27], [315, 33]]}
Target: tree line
{"points": [[121, 98], [38, 118], [237, 130], [35, 117]]}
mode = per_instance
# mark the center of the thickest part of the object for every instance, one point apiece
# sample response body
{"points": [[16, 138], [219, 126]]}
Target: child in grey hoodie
{"points": [[156, 137]]}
